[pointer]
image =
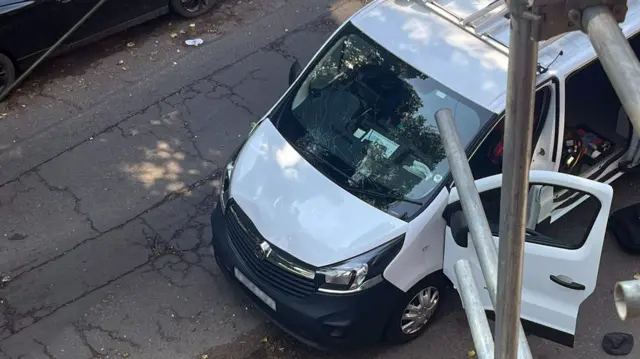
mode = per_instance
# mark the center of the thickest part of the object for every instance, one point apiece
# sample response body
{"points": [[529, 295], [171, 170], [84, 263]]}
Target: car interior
{"points": [[487, 160], [596, 130], [369, 102]]}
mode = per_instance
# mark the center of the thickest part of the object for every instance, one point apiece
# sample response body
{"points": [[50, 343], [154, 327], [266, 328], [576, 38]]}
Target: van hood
{"points": [[299, 210]]}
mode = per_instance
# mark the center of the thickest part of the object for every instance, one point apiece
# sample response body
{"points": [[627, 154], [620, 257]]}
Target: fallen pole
{"points": [[474, 213], [478, 323], [616, 56], [626, 296]]}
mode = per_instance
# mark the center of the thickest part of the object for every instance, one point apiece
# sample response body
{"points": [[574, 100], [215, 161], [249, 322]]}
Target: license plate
{"points": [[254, 289]]}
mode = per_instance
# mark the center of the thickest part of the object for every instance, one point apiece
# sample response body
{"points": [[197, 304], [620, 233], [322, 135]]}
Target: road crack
{"points": [[45, 349], [168, 198], [76, 199], [84, 326], [24, 189]]}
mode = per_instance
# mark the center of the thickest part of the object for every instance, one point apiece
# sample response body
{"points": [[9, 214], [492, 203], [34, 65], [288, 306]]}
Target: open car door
{"points": [[561, 258]]}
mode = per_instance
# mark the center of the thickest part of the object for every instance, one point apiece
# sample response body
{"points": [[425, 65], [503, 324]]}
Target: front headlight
{"points": [[361, 272], [227, 173]]}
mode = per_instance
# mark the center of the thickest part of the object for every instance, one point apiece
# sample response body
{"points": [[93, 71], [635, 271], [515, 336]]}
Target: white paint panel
{"points": [[423, 249], [298, 209], [438, 48], [543, 301]]}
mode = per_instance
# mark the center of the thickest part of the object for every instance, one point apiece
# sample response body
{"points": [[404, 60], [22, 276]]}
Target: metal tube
{"points": [[633, 148], [521, 75], [617, 58], [480, 331], [627, 299], [51, 50], [474, 212], [480, 13]]}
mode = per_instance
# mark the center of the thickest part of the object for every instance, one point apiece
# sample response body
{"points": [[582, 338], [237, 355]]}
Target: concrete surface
{"points": [[108, 173]]}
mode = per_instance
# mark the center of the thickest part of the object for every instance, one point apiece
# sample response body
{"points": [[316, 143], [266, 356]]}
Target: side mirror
{"points": [[459, 229], [294, 72]]}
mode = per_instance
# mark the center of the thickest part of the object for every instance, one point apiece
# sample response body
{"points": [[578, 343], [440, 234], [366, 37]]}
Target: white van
{"points": [[338, 214]]}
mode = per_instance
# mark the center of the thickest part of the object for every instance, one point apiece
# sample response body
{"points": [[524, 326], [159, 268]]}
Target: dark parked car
{"points": [[29, 27]]}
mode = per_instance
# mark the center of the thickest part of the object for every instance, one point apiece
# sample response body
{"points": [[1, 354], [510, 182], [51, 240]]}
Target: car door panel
{"points": [[559, 274], [28, 27], [112, 16]]}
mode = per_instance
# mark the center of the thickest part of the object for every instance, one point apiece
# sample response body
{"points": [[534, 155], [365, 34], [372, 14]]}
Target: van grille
{"points": [[244, 239]]}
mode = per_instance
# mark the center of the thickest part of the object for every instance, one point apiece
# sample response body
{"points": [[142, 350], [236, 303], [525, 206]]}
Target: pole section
{"points": [[474, 213], [617, 58], [478, 323], [523, 54], [627, 299]]}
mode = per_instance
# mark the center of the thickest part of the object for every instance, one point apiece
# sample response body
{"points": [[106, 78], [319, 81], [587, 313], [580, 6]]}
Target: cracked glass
{"points": [[366, 120]]}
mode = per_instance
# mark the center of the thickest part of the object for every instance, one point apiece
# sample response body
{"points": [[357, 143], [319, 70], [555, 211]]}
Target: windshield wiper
{"points": [[381, 195], [349, 187]]}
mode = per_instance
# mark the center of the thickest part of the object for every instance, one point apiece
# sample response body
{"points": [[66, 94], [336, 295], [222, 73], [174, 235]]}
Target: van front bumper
{"points": [[323, 321]]}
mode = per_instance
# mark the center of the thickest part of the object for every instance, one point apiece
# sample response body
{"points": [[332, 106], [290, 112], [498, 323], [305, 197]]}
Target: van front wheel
{"points": [[415, 311]]}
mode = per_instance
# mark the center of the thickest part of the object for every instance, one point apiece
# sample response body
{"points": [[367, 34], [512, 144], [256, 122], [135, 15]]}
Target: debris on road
{"points": [[121, 62], [174, 35], [5, 279], [192, 25], [194, 42], [131, 44]]}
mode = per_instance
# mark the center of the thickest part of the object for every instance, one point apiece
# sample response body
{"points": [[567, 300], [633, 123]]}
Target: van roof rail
{"points": [[436, 4], [480, 13]]}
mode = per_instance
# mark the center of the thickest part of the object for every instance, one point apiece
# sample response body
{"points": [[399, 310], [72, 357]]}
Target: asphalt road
{"points": [[108, 164]]}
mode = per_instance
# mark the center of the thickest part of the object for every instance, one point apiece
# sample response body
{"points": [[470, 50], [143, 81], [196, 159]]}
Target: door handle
{"points": [[566, 282]]}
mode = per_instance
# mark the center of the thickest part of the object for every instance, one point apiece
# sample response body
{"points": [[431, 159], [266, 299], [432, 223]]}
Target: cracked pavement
{"points": [[107, 180]]}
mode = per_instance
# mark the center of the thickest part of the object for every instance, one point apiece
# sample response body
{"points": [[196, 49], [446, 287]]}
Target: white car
{"points": [[338, 214]]}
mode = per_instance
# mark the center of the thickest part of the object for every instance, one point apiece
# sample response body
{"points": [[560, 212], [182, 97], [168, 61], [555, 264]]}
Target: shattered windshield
{"points": [[366, 120]]}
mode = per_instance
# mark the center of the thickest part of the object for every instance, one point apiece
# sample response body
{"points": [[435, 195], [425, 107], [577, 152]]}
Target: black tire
{"points": [[394, 333], [7, 74], [191, 8]]}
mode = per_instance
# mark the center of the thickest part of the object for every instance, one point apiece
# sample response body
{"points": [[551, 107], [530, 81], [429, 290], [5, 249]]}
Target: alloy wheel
{"points": [[4, 79], [194, 5], [419, 310]]}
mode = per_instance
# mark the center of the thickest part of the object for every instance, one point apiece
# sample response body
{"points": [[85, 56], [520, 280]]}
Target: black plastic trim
{"points": [[326, 322], [572, 285], [542, 331], [554, 154]]}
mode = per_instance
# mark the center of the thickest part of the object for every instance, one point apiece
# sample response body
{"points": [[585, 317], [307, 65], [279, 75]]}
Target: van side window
{"points": [[570, 231], [487, 160]]}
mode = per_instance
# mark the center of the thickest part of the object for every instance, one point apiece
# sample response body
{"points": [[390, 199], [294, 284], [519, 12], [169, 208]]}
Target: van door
{"points": [[561, 259]]}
